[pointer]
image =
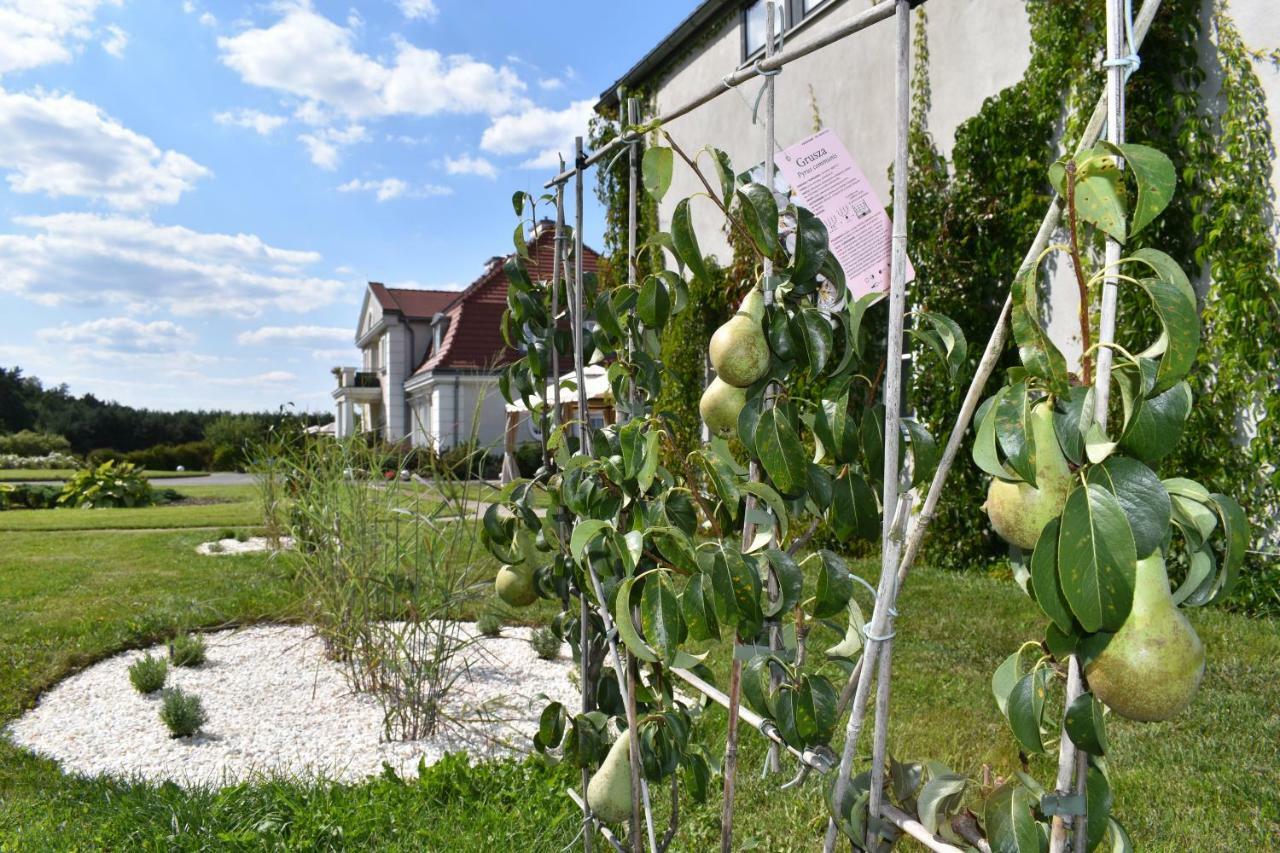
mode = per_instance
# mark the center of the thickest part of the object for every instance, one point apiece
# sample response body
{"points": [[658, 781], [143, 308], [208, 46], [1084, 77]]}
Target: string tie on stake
{"points": [[1132, 62]]}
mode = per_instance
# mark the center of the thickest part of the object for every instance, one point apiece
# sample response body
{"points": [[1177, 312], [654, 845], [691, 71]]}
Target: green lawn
{"points": [[59, 474], [1206, 781], [216, 506]]}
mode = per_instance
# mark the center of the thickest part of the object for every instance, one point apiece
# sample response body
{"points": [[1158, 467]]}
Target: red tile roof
{"points": [[473, 339], [413, 304]]}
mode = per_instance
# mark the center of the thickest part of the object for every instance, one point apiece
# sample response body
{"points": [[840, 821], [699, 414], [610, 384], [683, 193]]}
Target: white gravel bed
{"points": [[252, 545], [277, 707]]}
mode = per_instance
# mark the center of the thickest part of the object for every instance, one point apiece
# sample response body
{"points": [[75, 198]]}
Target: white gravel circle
{"points": [[231, 547], [277, 707]]}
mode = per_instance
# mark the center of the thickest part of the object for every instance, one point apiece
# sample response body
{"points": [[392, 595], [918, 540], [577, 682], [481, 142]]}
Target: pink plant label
{"points": [[827, 181]]}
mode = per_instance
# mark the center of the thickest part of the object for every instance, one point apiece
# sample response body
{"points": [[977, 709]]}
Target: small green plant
{"points": [[216, 547], [489, 624], [182, 713], [226, 533], [111, 484], [187, 650], [148, 674], [546, 643]]}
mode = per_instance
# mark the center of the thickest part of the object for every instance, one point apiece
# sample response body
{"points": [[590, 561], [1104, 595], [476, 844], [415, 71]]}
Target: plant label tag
{"points": [[826, 180]]}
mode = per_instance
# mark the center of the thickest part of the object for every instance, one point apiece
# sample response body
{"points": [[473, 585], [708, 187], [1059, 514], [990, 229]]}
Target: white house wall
{"points": [[479, 404]]}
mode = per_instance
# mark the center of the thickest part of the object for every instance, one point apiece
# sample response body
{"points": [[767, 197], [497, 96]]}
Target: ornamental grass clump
{"points": [[546, 643], [187, 650], [148, 674], [489, 625], [182, 713]]}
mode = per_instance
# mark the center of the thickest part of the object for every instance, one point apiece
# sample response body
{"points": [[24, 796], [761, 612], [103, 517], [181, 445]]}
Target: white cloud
{"points": [[188, 6], [294, 335], [419, 9], [548, 133], [120, 335], [551, 84], [306, 55], [271, 377], [261, 123], [207, 19], [325, 144], [40, 32], [86, 259], [389, 188], [59, 145], [466, 164], [116, 41]]}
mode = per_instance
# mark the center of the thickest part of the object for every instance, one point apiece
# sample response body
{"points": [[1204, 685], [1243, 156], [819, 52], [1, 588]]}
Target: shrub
{"points": [[28, 443], [49, 461], [226, 459], [181, 712], [528, 458], [108, 485], [489, 624], [193, 456], [187, 650], [103, 454], [148, 674], [28, 496], [546, 643]]}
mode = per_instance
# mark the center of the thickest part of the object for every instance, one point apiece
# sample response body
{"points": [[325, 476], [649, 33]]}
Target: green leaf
{"points": [[697, 604], [685, 240], [654, 305], [853, 512], [1154, 429], [811, 329], [790, 581], [1141, 495], [1012, 421], [583, 533], [852, 642], [985, 453], [1066, 423], [781, 454], [660, 614], [954, 346], [835, 585], [1156, 179], [1098, 803], [811, 246], [939, 798], [781, 518], [759, 212], [1085, 726], [724, 171], [1026, 709], [837, 429], [872, 435], [1004, 678], [1235, 527], [1044, 578], [745, 581], [1116, 839], [656, 168], [626, 626], [1007, 817], [1097, 560], [1180, 339], [924, 451], [1039, 354]]}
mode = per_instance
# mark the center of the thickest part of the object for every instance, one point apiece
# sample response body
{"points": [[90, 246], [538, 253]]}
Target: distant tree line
{"points": [[89, 423]]}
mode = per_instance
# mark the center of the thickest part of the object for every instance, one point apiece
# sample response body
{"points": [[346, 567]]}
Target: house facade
{"points": [[430, 359], [976, 49]]}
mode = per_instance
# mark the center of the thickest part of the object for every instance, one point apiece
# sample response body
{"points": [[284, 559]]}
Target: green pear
{"points": [[514, 585], [609, 791], [1151, 668], [720, 405], [1019, 511], [739, 351]]}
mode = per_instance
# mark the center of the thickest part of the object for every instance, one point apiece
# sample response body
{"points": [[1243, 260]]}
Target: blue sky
{"points": [[194, 193]]}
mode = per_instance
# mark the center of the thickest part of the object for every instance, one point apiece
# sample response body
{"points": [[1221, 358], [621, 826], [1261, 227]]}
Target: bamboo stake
{"points": [[585, 427], [893, 387], [877, 13], [916, 830]]}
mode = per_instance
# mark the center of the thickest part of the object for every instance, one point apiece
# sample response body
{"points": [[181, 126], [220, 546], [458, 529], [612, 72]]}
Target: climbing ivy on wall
{"points": [[968, 228]]}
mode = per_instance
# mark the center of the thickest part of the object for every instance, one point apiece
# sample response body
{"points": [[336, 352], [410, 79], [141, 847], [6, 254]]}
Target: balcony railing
{"points": [[350, 377]]}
